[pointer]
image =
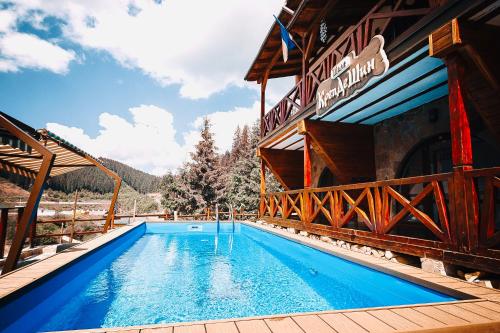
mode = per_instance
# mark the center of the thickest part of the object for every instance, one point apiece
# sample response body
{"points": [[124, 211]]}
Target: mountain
{"points": [[94, 180], [10, 192]]}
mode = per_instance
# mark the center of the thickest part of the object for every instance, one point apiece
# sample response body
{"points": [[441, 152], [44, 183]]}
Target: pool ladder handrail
{"points": [[217, 217], [231, 215]]}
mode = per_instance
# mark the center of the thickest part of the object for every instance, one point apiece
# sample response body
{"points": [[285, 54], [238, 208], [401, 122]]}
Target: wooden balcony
{"points": [[387, 18]]}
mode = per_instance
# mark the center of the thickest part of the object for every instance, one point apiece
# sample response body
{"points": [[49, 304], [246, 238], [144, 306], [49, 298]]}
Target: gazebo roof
{"points": [[18, 157]]}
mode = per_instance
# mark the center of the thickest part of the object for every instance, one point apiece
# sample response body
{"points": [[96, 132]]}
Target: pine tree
{"points": [[177, 196], [203, 171]]}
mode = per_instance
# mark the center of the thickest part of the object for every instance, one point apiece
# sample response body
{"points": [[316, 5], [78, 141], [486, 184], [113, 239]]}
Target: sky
{"points": [[132, 80]]}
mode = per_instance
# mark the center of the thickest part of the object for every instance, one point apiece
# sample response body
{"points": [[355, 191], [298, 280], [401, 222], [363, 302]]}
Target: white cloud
{"points": [[21, 50], [7, 19], [205, 46], [224, 124], [148, 142]]}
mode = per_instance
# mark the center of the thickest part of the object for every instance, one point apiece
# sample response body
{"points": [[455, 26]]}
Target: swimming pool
{"points": [[166, 272]]}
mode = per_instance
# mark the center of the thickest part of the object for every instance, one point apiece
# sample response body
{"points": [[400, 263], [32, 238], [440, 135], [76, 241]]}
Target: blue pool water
{"points": [[160, 273]]}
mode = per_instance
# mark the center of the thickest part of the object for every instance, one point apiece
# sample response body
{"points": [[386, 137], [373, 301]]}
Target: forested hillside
{"points": [[94, 180]]}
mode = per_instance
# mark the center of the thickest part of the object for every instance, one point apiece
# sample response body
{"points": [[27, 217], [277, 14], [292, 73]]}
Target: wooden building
{"points": [[390, 136]]}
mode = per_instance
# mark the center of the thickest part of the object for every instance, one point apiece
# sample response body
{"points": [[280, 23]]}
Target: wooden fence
{"points": [[70, 224], [411, 215]]}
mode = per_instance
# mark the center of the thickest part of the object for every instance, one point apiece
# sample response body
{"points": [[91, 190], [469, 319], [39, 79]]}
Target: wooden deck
{"points": [[478, 312]]}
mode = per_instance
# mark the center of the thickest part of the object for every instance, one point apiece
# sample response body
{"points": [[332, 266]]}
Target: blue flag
{"points": [[286, 40]]}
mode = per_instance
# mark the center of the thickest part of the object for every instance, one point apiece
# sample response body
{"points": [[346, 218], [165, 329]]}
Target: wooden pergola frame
{"points": [[54, 156]]}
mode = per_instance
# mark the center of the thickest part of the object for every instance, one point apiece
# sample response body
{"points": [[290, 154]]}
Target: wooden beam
{"points": [[72, 165], [3, 230], [263, 85], [286, 165], [17, 170], [21, 156], [347, 149]]}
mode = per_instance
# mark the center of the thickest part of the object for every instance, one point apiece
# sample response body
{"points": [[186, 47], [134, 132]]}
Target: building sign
{"points": [[351, 75]]}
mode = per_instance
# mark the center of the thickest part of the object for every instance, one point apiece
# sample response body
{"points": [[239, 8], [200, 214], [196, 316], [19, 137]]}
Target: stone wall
{"points": [[396, 136]]}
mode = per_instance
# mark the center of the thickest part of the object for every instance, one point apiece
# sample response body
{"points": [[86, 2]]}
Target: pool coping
{"points": [[479, 305]]}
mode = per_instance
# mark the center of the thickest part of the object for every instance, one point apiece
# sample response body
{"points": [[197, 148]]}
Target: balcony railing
{"points": [[383, 17]]}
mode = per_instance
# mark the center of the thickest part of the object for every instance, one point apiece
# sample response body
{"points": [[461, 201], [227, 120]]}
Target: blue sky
{"points": [[104, 73]]}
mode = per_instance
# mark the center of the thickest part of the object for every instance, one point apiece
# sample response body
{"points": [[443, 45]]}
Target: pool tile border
{"points": [[479, 309]]}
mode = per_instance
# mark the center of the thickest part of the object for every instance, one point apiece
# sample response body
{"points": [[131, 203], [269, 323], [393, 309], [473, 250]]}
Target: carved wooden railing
{"points": [[382, 19], [284, 110], [485, 206], [376, 207], [413, 215]]}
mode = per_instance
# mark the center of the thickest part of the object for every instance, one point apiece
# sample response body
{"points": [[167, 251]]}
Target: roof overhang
{"points": [[338, 14]]}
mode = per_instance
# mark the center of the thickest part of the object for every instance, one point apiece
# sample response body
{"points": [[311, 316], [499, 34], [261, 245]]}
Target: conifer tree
{"points": [[203, 171]]}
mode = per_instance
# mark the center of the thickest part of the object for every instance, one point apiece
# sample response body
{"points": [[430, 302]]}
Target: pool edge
{"points": [[466, 292]]}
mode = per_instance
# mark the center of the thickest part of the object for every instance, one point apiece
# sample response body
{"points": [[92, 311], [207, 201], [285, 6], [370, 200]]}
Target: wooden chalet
{"points": [[37, 155], [390, 136]]}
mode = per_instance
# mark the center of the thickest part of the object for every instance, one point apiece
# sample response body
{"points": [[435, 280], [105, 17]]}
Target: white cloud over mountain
{"points": [[205, 46], [149, 141]]}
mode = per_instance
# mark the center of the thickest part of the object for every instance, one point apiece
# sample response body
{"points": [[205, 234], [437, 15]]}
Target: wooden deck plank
{"points": [[190, 329], [476, 308], [225, 327], [158, 330], [491, 306], [418, 317], [341, 323], [313, 324], [283, 324], [471, 317], [440, 315], [369, 322], [394, 320], [476, 291], [252, 326]]}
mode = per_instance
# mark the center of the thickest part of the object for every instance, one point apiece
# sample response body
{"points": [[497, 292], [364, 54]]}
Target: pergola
{"points": [[39, 155]]}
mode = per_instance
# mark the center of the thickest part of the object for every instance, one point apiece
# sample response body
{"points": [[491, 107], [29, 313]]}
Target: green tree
{"points": [[203, 171], [177, 196]]}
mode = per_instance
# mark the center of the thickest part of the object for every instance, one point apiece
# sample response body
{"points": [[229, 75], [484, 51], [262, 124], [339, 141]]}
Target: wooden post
{"points": [[446, 43], [20, 211], [263, 85], [464, 210], [135, 208], [33, 231], [4, 217], [262, 209], [307, 161], [74, 218], [30, 212], [303, 93]]}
